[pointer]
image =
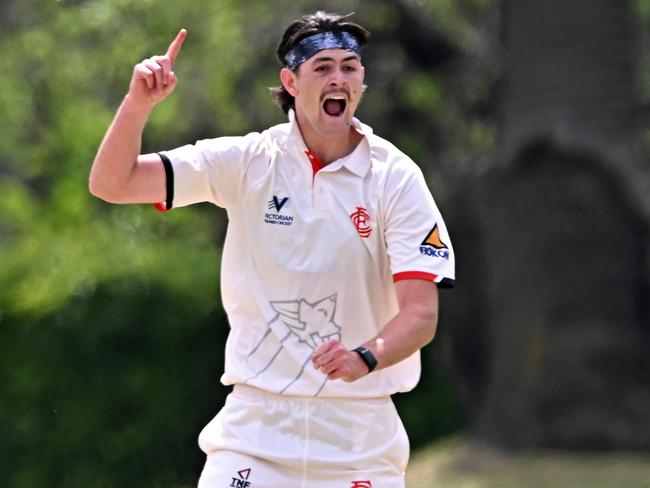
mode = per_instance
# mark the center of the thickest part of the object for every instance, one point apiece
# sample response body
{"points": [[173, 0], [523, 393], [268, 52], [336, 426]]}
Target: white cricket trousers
{"points": [[264, 440]]}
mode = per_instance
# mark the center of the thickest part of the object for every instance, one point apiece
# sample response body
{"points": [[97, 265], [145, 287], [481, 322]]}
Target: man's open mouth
{"points": [[334, 105]]}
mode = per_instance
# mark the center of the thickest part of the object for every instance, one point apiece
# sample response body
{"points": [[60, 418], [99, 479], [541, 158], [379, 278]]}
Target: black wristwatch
{"points": [[367, 357]]}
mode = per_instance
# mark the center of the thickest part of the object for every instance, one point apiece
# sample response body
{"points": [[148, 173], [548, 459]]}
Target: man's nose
{"points": [[337, 79]]}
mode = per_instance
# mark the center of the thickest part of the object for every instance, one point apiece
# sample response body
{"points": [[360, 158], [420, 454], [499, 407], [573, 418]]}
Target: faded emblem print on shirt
{"points": [[298, 327]]}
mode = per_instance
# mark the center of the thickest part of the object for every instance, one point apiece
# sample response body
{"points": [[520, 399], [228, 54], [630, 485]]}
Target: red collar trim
{"points": [[316, 164]]}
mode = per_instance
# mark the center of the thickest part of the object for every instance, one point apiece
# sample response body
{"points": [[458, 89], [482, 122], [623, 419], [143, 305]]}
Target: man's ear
{"points": [[288, 79]]}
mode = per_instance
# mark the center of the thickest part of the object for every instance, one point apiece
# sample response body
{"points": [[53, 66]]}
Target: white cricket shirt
{"points": [[311, 253]]}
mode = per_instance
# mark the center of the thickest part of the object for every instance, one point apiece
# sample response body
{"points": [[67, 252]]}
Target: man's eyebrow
{"points": [[352, 57]]}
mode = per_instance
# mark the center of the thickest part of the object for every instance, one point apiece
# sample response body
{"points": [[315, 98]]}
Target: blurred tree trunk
{"points": [[552, 336]]}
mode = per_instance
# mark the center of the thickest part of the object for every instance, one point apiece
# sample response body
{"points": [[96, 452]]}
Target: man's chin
{"points": [[338, 124]]}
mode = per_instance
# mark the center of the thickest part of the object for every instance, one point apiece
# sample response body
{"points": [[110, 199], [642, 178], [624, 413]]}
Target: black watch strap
{"points": [[367, 357]]}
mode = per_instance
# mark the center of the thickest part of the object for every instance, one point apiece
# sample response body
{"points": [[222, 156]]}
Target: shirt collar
{"points": [[358, 161]]}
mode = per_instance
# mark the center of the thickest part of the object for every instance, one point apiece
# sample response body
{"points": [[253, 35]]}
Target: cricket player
{"points": [[331, 265]]}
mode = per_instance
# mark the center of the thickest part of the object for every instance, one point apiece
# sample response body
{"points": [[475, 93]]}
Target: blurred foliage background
{"points": [[111, 328]]}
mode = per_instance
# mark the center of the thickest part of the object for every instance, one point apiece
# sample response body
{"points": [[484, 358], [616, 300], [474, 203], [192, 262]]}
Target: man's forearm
{"points": [[118, 152], [410, 330]]}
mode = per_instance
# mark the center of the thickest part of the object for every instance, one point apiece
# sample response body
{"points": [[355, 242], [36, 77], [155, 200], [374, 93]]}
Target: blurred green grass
{"points": [[460, 463]]}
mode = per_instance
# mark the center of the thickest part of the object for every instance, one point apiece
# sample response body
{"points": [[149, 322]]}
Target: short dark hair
{"points": [[306, 26]]}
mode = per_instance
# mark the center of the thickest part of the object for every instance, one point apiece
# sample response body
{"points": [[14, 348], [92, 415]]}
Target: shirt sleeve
{"points": [[417, 240], [211, 170]]}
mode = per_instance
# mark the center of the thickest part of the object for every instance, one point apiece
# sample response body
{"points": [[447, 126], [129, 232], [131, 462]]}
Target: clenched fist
{"points": [[337, 362]]}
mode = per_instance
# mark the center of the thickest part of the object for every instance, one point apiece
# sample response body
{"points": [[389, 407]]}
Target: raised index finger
{"points": [[175, 47]]}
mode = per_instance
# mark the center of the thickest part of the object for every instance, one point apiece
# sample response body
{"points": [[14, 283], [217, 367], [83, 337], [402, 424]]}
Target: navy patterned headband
{"points": [[309, 46]]}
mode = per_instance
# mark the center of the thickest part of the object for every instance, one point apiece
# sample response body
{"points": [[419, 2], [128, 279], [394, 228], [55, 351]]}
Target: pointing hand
{"points": [[153, 79]]}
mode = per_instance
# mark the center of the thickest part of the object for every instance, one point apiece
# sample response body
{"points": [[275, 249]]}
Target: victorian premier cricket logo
{"points": [[274, 215], [287, 345]]}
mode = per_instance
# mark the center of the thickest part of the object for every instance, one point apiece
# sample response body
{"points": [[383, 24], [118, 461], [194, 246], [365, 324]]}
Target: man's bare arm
{"points": [[412, 328], [119, 173]]}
